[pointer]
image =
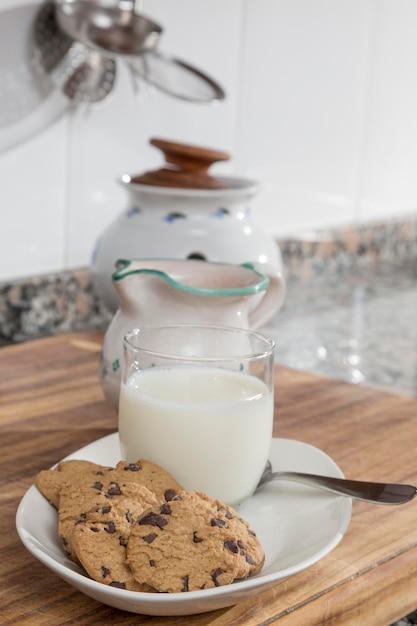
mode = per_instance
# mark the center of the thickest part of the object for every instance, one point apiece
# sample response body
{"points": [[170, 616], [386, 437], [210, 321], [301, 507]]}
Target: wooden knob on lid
{"points": [[186, 167]]}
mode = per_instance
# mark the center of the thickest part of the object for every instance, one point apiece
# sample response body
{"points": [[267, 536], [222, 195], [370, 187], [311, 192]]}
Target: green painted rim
{"points": [[123, 271]]}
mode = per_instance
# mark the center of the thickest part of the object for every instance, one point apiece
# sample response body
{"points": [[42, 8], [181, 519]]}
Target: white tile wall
{"points": [[306, 66], [388, 173], [321, 108]]}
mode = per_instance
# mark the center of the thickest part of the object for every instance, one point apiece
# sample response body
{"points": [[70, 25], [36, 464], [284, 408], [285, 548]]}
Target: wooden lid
{"points": [[186, 167]]}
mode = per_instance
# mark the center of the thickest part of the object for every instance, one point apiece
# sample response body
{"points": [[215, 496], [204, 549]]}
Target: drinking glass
{"points": [[199, 401]]}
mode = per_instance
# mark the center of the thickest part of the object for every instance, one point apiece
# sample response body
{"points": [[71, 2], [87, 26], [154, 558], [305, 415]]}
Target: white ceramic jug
{"points": [[164, 291], [181, 211]]}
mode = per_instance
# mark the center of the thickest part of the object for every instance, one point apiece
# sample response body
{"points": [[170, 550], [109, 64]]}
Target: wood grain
{"points": [[51, 404]]}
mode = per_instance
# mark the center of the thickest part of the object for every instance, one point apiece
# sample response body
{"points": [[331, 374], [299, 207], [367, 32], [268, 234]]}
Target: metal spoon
{"points": [[378, 493]]}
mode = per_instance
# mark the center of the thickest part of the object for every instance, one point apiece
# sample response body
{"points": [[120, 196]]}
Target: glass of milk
{"points": [[198, 400]]}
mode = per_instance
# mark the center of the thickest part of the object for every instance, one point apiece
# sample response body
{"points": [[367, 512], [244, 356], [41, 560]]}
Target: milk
{"points": [[210, 427]]}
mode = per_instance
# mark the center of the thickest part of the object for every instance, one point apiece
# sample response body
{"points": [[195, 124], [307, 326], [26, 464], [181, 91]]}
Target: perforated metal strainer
{"points": [[83, 74], [24, 84], [121, 31]]}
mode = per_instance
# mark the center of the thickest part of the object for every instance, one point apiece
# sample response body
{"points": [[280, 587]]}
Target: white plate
{"points": [[297, 526]]}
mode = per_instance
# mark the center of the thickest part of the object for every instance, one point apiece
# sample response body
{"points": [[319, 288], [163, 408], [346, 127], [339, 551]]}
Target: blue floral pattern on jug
{"points": [[133, 211], [221, 212], [173, 217]]}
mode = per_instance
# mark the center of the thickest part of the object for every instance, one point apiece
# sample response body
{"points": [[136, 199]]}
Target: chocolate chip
{"points": [[114, 583], [105, 571], [110, 528], [129, 517], [122, 542], [196, 539], [231, 546], [250, 560], [105, 509], [171, 494], [94, 529], [153, 519], [225, 512], [114, 490], [132, 467], [152, 563], [237, 547], [216, 521], [149, 538], [215, 575], [165, 509], [184, 583], [98, 486]]}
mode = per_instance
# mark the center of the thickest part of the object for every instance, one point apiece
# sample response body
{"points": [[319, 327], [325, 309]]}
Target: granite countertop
{"points": [[358, 325]]}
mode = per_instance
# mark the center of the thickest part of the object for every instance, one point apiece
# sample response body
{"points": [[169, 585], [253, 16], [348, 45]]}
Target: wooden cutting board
{"points": [[51, 404]]}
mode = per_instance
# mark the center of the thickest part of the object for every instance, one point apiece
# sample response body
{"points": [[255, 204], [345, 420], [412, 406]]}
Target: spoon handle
{"points": [[380, 493]]}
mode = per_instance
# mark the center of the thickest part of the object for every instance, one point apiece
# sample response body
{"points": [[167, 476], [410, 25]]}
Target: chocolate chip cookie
{"points": [[76, 501], [78, 472], [192, 543], [152, 476], [99, 541]]}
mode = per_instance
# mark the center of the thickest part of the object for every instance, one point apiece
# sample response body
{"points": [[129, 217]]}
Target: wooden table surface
{"points": [[51, 404]]}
